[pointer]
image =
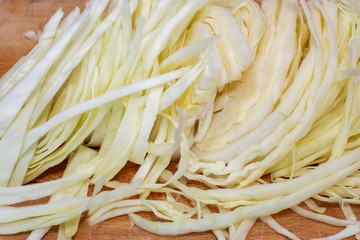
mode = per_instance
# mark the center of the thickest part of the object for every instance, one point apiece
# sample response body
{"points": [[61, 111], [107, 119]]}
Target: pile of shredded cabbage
{"points": [[259, 102]]}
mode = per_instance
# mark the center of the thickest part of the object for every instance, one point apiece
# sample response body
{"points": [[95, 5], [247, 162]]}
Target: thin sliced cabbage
{"points": [[218, 92]]}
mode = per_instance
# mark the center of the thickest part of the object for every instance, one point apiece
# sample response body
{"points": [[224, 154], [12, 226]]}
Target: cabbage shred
{"points": [[259, 102]]}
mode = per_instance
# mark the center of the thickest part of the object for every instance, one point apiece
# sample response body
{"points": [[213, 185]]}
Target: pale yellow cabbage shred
{"points": [[259, 101]]}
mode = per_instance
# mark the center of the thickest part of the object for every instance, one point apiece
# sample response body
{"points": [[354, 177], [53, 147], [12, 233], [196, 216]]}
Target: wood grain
{"points": [[19, 16]]}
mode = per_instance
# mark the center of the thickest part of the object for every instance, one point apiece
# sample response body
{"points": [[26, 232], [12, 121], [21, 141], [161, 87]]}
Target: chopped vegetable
{"points": [[259, 103]]}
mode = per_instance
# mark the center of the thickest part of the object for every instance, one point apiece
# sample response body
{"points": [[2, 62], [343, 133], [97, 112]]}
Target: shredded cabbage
{"points": [[256, 102]]}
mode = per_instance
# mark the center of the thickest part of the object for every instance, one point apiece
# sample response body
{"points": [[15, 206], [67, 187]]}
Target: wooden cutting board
{"points": [[19, 16]]}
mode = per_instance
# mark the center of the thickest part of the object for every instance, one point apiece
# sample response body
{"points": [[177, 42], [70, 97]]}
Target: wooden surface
{"points": [[19, 16]]}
